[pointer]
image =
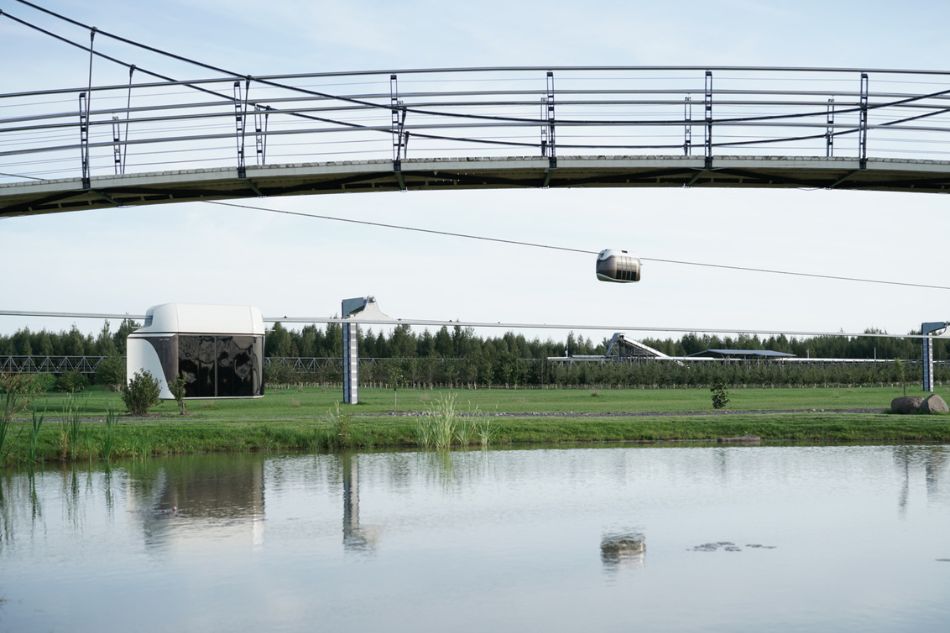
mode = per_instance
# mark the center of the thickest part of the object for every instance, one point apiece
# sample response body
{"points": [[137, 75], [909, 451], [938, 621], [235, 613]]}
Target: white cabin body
{"points": [[218, 349]]}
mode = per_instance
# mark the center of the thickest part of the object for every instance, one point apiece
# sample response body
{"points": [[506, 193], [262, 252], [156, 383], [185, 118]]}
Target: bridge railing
{"points": [[244, 122]]}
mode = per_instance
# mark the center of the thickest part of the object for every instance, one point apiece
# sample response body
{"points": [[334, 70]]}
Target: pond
{"points": [[598, 539]]}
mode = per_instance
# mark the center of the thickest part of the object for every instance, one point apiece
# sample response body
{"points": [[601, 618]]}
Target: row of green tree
{"points": [[486, 372], [457, 356], [25, 342], [403, 342]]}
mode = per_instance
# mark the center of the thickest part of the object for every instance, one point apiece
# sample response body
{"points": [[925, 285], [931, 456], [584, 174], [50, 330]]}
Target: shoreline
{"points": [[310, 420]]}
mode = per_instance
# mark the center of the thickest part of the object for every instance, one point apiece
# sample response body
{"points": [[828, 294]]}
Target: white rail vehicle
{"points": [[218, 349]]}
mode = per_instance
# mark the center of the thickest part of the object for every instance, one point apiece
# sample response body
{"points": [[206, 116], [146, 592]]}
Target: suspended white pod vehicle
{"points": [[617, 266]]}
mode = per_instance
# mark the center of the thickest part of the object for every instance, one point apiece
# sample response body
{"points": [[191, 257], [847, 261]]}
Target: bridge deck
{"points": [[50, 196]]}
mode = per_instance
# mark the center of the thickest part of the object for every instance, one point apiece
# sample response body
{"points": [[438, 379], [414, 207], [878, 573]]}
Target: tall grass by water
{"points": [[338, 435], [70, 430], [108, 440], [35, 425], [441, 426]]}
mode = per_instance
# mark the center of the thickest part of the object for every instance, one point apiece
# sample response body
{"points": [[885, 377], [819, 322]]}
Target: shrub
{"points": [[140, 393], [71, 382], [17, 391], [720, 397], [277, 374], [111, 371], [339, 422], [178, 391], [44, 382]]}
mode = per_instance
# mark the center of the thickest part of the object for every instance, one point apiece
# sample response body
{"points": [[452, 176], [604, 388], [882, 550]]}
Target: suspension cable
{"points": [[470, 236]]}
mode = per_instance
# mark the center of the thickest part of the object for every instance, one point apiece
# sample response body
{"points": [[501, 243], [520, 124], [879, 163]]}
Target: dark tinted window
{"points": [[238, 369], [221, 366], [196, 356], [167, 352]]}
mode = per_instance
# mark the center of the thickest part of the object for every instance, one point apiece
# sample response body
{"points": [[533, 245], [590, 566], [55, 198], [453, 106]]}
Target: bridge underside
{"points": [[51, 196]]}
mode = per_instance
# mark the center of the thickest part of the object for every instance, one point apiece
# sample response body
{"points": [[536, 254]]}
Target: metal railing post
{"points": [[84, 139], [830, 129], [708, 104], [398, 123], [688, 126], [261, 116], [863, 123], [240, 114]]}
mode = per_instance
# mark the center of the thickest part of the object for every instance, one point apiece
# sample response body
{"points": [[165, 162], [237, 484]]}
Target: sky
{"points": [[127, 259]]}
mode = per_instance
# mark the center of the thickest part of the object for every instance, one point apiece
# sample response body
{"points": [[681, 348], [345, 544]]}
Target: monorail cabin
{"points": [[617, 266], [218, 349]]}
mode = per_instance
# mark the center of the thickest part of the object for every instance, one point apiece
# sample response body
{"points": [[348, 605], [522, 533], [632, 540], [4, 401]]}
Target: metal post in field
{"points": [[354, 310], [927, 355]]}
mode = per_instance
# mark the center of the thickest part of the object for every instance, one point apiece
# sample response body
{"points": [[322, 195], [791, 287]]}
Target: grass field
{"points": [[306, 419]]}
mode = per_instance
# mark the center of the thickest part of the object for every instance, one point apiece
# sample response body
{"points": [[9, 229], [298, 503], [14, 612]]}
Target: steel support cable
{"points": [[19, 176], [170, 79], [470, 236], [231, 99], [384, 107], [274, 84], [377, 105], [192, 85]]}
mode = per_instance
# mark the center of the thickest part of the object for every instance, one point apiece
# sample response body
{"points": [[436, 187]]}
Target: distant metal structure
{"points": [[41, 364], [619, 349], [744, 354], [353, 311], [160, 141], [927, 356]]}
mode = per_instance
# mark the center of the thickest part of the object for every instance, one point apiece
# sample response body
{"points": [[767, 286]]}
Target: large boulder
{"points": [[934, 404], [906, 404]]}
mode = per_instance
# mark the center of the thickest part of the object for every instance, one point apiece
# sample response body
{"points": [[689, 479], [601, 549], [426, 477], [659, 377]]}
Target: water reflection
{"points": [[498, 540], [178, 495], [356, 538], [627, 549], [910, 460]]}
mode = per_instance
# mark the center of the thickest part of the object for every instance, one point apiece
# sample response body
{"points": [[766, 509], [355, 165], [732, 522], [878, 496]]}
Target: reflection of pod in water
{"points": [[617, 266], [628, 547]]}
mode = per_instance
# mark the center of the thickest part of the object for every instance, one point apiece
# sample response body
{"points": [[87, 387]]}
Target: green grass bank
{"points": [[306, 419]]}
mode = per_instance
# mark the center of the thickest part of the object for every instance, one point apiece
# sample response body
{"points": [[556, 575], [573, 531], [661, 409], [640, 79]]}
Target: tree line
{"points": [[458, 357], [458, 342]]}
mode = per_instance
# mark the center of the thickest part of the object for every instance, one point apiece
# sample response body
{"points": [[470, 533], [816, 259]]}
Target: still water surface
{"points": [[737, 539]]}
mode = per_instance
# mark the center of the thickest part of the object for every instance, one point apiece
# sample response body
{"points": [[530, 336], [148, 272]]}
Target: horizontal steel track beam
{"points": [[473, 173]]}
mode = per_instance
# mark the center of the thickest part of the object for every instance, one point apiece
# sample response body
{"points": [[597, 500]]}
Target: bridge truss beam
{"points": [[487, 173]]}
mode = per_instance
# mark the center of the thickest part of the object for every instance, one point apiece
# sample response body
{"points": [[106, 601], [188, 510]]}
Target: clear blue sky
{"points": [[127, 259]]}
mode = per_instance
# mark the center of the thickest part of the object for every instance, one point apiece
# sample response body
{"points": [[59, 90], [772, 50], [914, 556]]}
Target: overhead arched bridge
{"points": [[151, 141]]}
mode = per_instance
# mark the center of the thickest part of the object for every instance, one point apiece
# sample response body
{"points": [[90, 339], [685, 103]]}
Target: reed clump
{"points": [[339, 434], [438, 424], [70, 430], [108, 438], [441, 426], [36, 424], [17, 391]]}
